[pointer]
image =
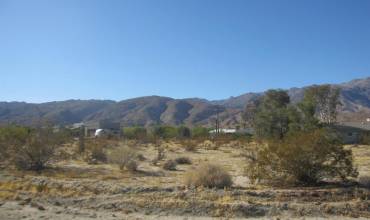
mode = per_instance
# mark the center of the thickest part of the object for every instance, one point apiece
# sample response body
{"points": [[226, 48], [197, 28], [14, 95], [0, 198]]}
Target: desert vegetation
{"points": [[294, 164], [208, 175]]}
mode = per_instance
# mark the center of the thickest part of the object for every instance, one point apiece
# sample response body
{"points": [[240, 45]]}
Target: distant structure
{"points": [[223, 131], [352, 132], [102, 127], [98, 129], [231, 131]]}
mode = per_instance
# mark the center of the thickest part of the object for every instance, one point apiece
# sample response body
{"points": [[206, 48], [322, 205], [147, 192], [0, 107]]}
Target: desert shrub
{"points": [[200, 132], [36, 150], [208, 175], [188, 144], [135, 133], [302, 158], [131, 166], [140, 157], [183, 160], [190, 147], [170, 165], [164, 131], [96, 151], [183, 132], [10, 138], [161, 154], [124, 157]]}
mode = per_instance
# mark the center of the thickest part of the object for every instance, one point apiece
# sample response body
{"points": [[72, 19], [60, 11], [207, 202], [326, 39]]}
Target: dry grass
{"points": [[153, 190], [208, 175], [124, 157]]}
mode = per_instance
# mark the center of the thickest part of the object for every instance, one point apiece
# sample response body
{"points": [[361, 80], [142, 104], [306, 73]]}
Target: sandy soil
{"points": [[73, 189]]}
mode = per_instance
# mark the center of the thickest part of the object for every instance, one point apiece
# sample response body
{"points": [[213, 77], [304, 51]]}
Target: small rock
{"points": [[41, 208], [25, 202]]}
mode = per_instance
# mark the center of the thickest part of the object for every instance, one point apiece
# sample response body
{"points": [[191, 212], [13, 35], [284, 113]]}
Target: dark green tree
{"points": [[183, 132], [271, 119]]}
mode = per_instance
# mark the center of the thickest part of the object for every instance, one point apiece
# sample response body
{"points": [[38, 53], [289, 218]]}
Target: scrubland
{"points": [[162, 185]]}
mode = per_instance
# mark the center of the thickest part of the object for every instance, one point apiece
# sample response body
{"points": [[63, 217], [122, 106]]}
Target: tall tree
{"points": [[325, 98], [271, 119], [249, 113]]}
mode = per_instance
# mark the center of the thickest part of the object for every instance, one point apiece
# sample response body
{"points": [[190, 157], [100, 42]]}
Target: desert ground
{"points": [[71, 188]]}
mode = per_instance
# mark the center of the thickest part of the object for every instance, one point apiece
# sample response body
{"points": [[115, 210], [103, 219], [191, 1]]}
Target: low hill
{"points": [[151, 110]]}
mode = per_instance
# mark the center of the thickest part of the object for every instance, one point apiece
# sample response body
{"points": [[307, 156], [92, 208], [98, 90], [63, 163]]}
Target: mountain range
{"points": [[151, 110]]}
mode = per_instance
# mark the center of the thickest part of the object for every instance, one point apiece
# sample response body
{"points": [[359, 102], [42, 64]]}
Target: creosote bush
{"points": [[303, 158], [96, 152], [125, 158], [36, 150], [208, 175], [11, 138], [170, 165], [183, 160], [161, 154]]}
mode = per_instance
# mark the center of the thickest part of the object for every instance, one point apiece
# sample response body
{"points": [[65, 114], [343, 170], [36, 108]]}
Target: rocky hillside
{"points": [[355, 98], [150, 110], [143, 111]]}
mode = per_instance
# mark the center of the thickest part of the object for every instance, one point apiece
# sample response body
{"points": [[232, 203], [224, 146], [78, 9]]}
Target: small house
{"points": [[105, 126], [352, 132]]}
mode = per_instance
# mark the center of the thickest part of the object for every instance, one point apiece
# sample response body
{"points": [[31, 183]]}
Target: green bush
{"points": [[11, 137], [208, 175], [164, 131], [36, 150], [183, 132], [302, 158], [137, 133], [200, 132]]}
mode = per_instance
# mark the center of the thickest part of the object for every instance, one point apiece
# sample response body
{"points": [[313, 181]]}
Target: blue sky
{"points": [[214, 49]]}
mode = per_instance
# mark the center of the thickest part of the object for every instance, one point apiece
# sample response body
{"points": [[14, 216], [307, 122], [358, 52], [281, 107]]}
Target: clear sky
{"points": [[214, 49]]}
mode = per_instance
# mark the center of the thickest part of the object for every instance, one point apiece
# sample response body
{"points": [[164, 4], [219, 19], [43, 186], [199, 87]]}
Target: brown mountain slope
{"points": [[151, 110]]}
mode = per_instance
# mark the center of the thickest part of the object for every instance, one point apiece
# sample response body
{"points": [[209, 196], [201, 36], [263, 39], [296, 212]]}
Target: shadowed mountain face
{"points": [[151, 110]]}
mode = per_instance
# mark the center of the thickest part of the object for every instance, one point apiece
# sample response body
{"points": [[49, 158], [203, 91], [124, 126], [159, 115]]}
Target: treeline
{"points": [[165, 132]]}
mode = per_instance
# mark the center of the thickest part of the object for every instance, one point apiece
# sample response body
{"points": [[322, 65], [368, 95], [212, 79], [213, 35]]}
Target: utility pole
{"points": [[217, 120]]}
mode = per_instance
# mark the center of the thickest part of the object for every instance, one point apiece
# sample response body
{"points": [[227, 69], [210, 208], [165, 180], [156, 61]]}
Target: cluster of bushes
{"points": [[298, 146], [135, 133], [171, 164], [304, 158], [29, 149], [95, 151], [165, 132]]}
